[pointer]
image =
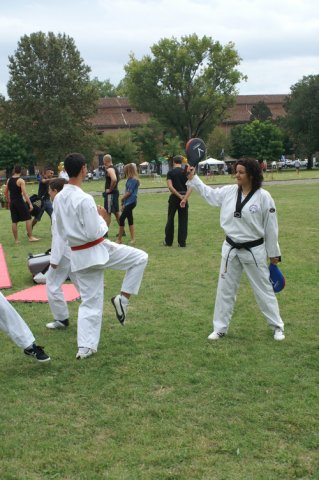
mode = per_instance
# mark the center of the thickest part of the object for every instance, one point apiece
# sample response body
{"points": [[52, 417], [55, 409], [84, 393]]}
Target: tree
{"points": [[13, 151], [260, 111], [187, 85], [120, 146], [302, 120], [104, 88], [51, 98], [149, 139], [218, 143], [262, 140]]}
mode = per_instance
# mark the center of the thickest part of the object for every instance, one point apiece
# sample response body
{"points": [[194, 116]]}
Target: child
{"points": [[129, 201], [15, 327], [60, 268]]}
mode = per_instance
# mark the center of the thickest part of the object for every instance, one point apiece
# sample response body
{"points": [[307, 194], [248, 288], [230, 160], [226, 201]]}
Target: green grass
{"points": [[158, 401]]}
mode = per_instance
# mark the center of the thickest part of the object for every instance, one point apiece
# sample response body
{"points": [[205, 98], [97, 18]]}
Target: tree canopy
{"points": [[13, 151], [260, 111], [261, 140], [302, 120], [51, 98], [187, 85]]}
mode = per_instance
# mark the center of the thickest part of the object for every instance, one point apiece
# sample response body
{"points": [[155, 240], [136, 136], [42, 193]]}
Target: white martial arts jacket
{"points": [[78, 223], [59, 247], [258, 217]]}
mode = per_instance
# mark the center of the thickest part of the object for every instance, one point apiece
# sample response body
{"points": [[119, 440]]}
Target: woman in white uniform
{"points": [[248, 218]]}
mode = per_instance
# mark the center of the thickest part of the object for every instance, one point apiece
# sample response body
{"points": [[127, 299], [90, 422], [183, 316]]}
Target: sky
{"points": [[277, 40]]}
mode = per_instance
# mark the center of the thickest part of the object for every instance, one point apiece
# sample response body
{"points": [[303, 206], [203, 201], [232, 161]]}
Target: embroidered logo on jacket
{"points": [[253, 208], [272, 210]]}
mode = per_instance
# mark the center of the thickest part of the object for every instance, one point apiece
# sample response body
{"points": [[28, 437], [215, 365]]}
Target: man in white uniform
{"points": [[83, 225], [248, 218], [60, 267], [15, 327]]}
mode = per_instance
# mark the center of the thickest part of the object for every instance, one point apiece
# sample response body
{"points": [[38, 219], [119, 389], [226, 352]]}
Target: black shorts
{"points": [[111, 202], [19, 211]]}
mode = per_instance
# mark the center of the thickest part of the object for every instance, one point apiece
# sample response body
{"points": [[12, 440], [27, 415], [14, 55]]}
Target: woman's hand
{"points": [[274, 260]]}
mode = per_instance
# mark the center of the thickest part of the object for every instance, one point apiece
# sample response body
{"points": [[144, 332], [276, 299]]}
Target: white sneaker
{"points": [[279, 334], [57, 324], [84, 352], [120, 308], [215, 335]]}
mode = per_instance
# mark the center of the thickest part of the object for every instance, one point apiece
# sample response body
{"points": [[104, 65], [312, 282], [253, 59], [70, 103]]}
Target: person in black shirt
{"points": [[177, 202], [19, 203], [43, 193], [111, 191]]}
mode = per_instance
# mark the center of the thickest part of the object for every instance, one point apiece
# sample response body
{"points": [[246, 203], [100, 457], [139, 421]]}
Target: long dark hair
{"points": [[253, 170]]}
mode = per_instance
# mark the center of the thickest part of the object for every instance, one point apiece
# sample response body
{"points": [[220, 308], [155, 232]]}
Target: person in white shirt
{"points": [[83, 226], [60, 267], [15, 327], [248, 218]]}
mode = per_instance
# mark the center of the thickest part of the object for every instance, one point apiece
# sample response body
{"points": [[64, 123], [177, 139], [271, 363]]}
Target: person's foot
{"points": [[120, 308], [118, 240], [33, 239], [279, 335], [84, 352], [37, 352], [17, 242], [166, 244], [215, 335], [132, 242], [58, 324]]}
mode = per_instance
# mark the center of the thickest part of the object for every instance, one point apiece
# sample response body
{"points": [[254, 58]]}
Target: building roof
{"points": [[114, 113]]}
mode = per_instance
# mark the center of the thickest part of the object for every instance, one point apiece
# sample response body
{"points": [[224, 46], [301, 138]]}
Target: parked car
{"points": [[286, 164]]}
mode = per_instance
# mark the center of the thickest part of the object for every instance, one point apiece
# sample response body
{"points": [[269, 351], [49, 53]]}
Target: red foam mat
{"points": [[5, 281], [38, 293]]}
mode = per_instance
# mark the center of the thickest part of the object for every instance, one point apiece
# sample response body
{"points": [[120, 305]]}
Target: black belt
{"points": [[245, 245]]}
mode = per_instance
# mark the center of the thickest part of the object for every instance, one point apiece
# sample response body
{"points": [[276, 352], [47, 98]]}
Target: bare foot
{"points": [[33, 239]]}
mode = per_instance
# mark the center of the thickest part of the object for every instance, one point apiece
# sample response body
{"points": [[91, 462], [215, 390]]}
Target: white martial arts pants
{"points": [[228, 283], [91, 286], [54, 281], [13, 325]]}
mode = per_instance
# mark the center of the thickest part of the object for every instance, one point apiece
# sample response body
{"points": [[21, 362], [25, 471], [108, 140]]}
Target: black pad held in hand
{"points": [[195, 151]]}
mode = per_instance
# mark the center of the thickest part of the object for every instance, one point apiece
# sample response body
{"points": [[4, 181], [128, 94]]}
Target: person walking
{"points": [[18, 198], [248, 218], [13, 325], [83, 225], [129, 201], [176, 182]]}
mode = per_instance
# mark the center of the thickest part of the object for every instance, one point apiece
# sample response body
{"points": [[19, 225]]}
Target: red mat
{"points": [[5, 281], [38, 294]]}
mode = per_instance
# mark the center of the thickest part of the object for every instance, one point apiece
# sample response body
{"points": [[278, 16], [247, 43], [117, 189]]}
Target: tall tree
{"points": [[120, 146], [260, 111], [262, 140], [302, 120], [187, 85], [51, 98], [218, 143]]}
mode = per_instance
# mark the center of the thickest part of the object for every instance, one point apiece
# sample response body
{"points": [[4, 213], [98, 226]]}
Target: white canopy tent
{"points": [[211, 161]]}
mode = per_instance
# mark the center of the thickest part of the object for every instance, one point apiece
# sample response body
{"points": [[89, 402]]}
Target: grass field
{"points": [[158, 401]]}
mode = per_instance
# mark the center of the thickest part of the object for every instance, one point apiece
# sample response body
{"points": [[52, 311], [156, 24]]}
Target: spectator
{"points": [[17, 196], [43, 193]]}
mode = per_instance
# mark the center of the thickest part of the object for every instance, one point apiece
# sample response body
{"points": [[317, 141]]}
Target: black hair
{"points": [[178, 159], [57, 183], [253, 170], [17, 169], [73, 164]]}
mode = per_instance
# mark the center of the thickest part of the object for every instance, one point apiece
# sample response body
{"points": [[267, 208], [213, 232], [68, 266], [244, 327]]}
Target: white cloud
{"points": [[277, 40]]}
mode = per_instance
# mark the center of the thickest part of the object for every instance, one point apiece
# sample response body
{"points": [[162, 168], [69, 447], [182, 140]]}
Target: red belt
{"points": [[89, 244]]}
